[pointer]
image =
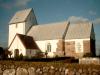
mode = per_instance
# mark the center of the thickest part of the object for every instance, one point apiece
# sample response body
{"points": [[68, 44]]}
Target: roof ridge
{"points": [[88, 22], [24, 10], [20, 16], [50, 24]]}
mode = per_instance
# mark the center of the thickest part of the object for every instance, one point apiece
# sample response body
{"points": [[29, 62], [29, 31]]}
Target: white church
{"points": [[27, 37]]}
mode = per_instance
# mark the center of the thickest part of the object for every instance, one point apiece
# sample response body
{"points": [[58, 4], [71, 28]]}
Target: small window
{"points": [[48, 47], [78, 46]]}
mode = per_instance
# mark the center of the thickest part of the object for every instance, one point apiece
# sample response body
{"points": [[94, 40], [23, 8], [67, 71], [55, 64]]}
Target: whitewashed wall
{"points": [[31, 52], [13, 29], [22, 27], [78, 49], [43, 46], [17, 45]]}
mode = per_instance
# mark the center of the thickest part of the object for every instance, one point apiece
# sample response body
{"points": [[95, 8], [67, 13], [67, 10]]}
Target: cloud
{"points": [[74, 19], [97, 21], [21, 2], [92, 12], [13, 3], [6, 5]]}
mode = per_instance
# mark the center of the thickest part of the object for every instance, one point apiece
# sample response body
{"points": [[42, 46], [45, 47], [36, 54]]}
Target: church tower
{"points": [[21, 22]]}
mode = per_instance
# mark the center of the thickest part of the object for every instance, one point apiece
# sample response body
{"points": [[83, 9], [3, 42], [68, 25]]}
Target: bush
{"points": [[56, 56], [88, 55], [38, 55], [19, 57]]}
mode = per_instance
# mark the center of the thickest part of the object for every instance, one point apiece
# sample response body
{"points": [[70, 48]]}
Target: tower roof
{"points": [[20, 16]]}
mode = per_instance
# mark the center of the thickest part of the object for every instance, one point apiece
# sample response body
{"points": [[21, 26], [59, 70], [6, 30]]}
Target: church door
{"points": [[16, 52]]}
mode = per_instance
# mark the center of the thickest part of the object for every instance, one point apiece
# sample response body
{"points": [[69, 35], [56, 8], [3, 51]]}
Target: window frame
{"points": [[48, 47]]}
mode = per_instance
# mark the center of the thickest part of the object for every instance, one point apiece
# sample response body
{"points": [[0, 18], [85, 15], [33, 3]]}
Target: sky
{"points": [[48, 11]]}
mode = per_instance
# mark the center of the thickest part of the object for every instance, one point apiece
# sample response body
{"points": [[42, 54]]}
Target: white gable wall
{"points": [[78, 44], [17, 44], [20, 28], [15, 28], [43, 46]]}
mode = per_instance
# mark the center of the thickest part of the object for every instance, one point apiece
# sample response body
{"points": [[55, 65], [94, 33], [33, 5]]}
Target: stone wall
{"points": [[31, 69], [60, 48], [86, 45], [48, 71], [70, 48], [89, 60]]}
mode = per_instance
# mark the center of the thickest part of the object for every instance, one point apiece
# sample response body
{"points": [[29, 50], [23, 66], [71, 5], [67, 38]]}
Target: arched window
{"points": [[48, 47], [16, 52]]}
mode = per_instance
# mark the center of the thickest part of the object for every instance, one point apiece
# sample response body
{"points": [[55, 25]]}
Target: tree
{"points": [[46, 53], [7, 53], [39, 54], [1, 52], [21, 56]]}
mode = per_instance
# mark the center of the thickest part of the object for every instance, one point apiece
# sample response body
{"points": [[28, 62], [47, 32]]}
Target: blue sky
{"points": [[48, 11]]}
